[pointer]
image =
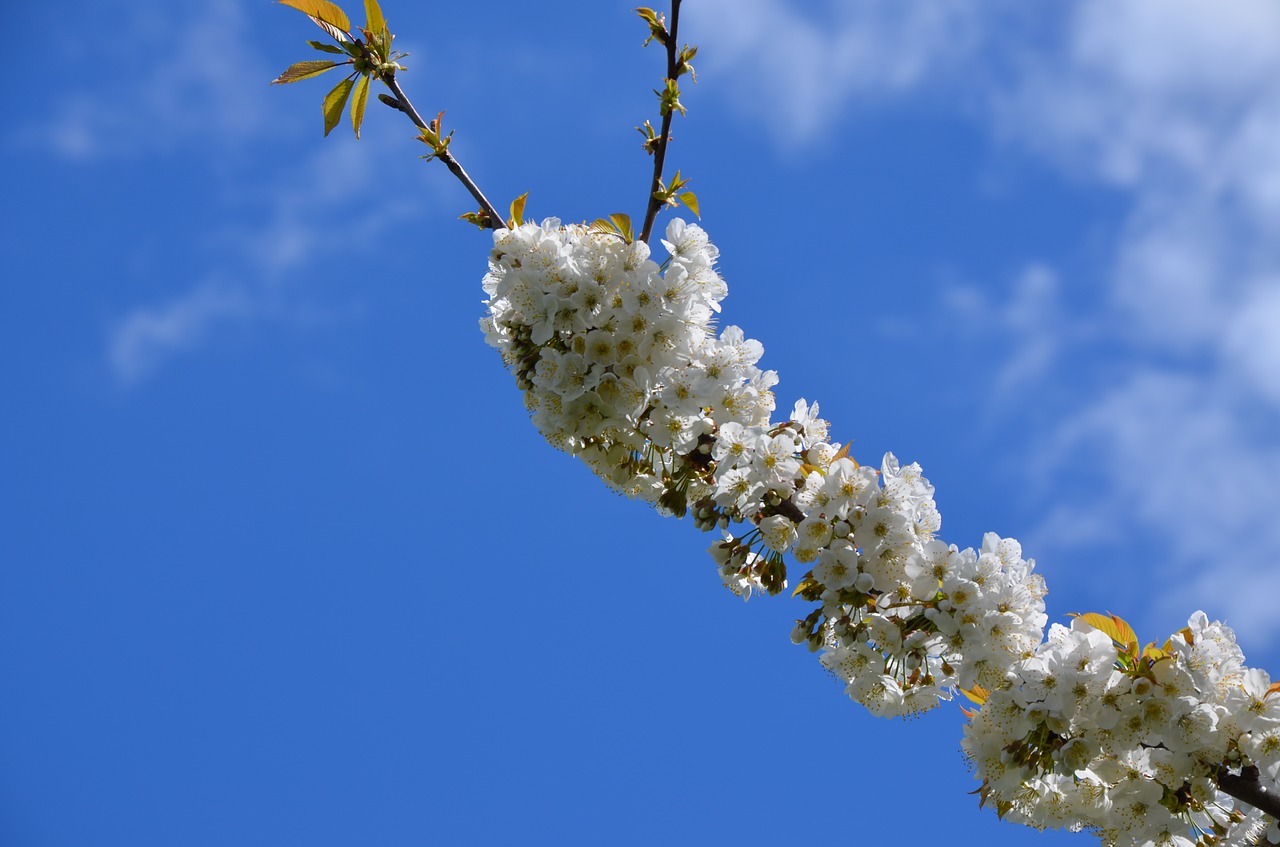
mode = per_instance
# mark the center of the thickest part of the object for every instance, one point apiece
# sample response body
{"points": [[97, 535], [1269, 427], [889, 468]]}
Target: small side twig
{"points": [[660, 151], [402, 103]]}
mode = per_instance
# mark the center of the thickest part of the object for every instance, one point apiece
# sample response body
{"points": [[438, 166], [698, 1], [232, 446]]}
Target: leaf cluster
{"points": [[368, 51], [430, 136], [672, 195]]}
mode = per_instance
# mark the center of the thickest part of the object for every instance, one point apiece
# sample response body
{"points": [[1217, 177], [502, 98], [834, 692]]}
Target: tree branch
{"points": [[660, 153], [1248, 788], [495, 217]]}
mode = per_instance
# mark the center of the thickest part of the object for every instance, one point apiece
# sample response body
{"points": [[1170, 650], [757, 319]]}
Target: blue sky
{"points": [[284, 561]]}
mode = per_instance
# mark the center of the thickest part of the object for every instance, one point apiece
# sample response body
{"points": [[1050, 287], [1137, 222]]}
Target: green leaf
{"points": [[684, 66], [303, 70], [669, 99], [358, 103], [334, 101], [374, 22], [690, 200], [321, 11], [327, 48], [657, 26], [480, 218], [517, 210]]}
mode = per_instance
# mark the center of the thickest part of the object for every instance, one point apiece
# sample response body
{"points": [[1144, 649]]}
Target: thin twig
{"points": [[495, 217], [660, 153]]}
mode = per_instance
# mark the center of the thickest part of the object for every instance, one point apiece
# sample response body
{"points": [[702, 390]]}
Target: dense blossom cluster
{"points": [[1080, 735], [622, 368]]}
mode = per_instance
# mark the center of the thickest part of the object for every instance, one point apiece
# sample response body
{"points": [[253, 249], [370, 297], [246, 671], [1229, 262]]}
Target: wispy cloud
{"points": [[797, 69], [297, 218], [1167, 100], [186, 82], [149, 335], [162, 75], [1014, 318], [1183, 456]]}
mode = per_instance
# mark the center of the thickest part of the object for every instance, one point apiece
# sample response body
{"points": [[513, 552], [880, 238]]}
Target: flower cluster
{"points": [[1129, 743], [621, 367], [617, 356]]}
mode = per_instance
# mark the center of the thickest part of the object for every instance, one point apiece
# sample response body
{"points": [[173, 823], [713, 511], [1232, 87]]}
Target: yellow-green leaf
{"points": [[334, 33], [623, 224], [1113, 626], [657, 26], [805, 584], [977, 694], [327, 48], [1153, 654], [334, 101], [374, 21], [321, 10], [1128, 637], [303, 70], [690, 200], [480, 218], [358, 103], [517, 209]]}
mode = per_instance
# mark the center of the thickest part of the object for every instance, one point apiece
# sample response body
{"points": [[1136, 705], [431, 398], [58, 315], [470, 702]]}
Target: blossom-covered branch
{"points": [[1083, 729], [620, 365]]}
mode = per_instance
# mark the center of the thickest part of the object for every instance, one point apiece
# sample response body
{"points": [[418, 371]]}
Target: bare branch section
{"points": [[402, 103], [664, 135], [1247, 787]]}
